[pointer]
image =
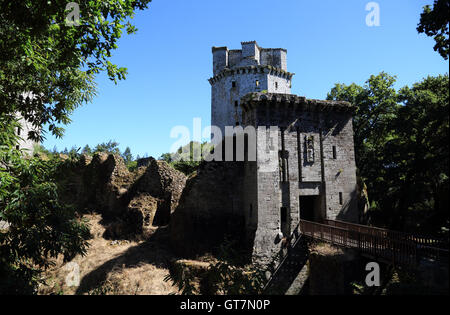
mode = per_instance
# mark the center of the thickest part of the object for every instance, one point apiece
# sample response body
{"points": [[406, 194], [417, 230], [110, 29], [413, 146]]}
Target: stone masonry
{"points": [[238, 72], [314, 177], [22, 131]]}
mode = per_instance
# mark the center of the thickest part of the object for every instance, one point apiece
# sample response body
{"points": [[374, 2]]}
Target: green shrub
{"points": [[40, 225]]}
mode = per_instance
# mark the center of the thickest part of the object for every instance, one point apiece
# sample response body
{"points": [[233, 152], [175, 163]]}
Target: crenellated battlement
{"points": [[237, 72], [251, 54], [264, 69]]}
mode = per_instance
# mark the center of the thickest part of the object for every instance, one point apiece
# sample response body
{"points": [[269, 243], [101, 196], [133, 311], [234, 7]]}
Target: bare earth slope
{"points": [[114, 267]]}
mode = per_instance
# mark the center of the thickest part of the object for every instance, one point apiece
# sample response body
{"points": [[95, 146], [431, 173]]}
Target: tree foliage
{"points": [[40, 226], [127, 156], [401, 146], [187, 159], [111, 147], [47, 68], [435, 22]]}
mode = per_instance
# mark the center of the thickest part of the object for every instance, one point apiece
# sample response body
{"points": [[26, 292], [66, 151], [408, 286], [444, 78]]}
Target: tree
{"points": [[376, 110], [74, 150], [86, 150], [47, 70], [111, 147], [435, 22], [47, 67], [127, 156], [40, 225], [183, 160], [422, 152], [401, 147]]}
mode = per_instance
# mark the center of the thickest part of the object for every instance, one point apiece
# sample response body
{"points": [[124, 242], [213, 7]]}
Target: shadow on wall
{"points": [[210, 210], [350, 210]]}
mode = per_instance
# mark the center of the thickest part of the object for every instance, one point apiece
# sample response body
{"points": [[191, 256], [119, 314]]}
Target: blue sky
{"points": [[169, 61]]}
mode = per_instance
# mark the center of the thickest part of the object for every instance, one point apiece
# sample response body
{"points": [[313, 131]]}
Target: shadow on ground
{"points": [[154, 251]]}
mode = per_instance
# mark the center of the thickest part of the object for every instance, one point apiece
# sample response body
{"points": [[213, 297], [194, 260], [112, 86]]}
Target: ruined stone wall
{"points": [[132, 200], [210, 210]]}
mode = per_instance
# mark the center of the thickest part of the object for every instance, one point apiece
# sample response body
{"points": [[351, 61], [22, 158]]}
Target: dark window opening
{"points": [[341, 201], [17, 147], [308, 207], [283, 215], [334, 152], [276, 85], [18, 131], [236, 103], [233, 84]]}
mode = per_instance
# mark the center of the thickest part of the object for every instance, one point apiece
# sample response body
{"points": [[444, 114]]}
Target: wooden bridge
{"points": [[388, 246]]}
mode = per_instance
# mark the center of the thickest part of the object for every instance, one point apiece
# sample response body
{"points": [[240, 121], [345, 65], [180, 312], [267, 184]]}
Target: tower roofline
{"points": [[251, 42], [254, 99], [214, 48], [252, 69], [267, 49]]}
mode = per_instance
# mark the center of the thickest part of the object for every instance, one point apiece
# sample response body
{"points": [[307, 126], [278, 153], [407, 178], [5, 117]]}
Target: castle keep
{"points": [[314, 177], [238, 72]]}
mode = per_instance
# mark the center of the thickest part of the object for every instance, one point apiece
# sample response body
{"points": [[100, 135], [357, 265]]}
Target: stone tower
{"points": [[24, 143], [241, 71], [303, 166]]}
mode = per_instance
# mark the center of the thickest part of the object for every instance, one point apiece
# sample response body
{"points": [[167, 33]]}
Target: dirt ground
{"points": [[114, 266]]}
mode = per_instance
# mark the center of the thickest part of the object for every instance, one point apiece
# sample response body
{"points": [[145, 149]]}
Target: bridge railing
{"points": [[427, 246], [378, 245]]}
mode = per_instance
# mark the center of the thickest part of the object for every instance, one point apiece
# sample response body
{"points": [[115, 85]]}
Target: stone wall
{"points": [[331, 270], [131, 200], [250, 54], [22, 132], [210, 209], [340, 172], [315, 158]]}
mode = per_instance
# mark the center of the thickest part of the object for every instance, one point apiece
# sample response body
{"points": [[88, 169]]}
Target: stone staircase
{"points": [[291, 275]]}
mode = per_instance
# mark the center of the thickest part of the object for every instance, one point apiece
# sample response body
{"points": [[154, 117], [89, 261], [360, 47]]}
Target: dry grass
{"points": [[115, 267], [325, 249]]}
